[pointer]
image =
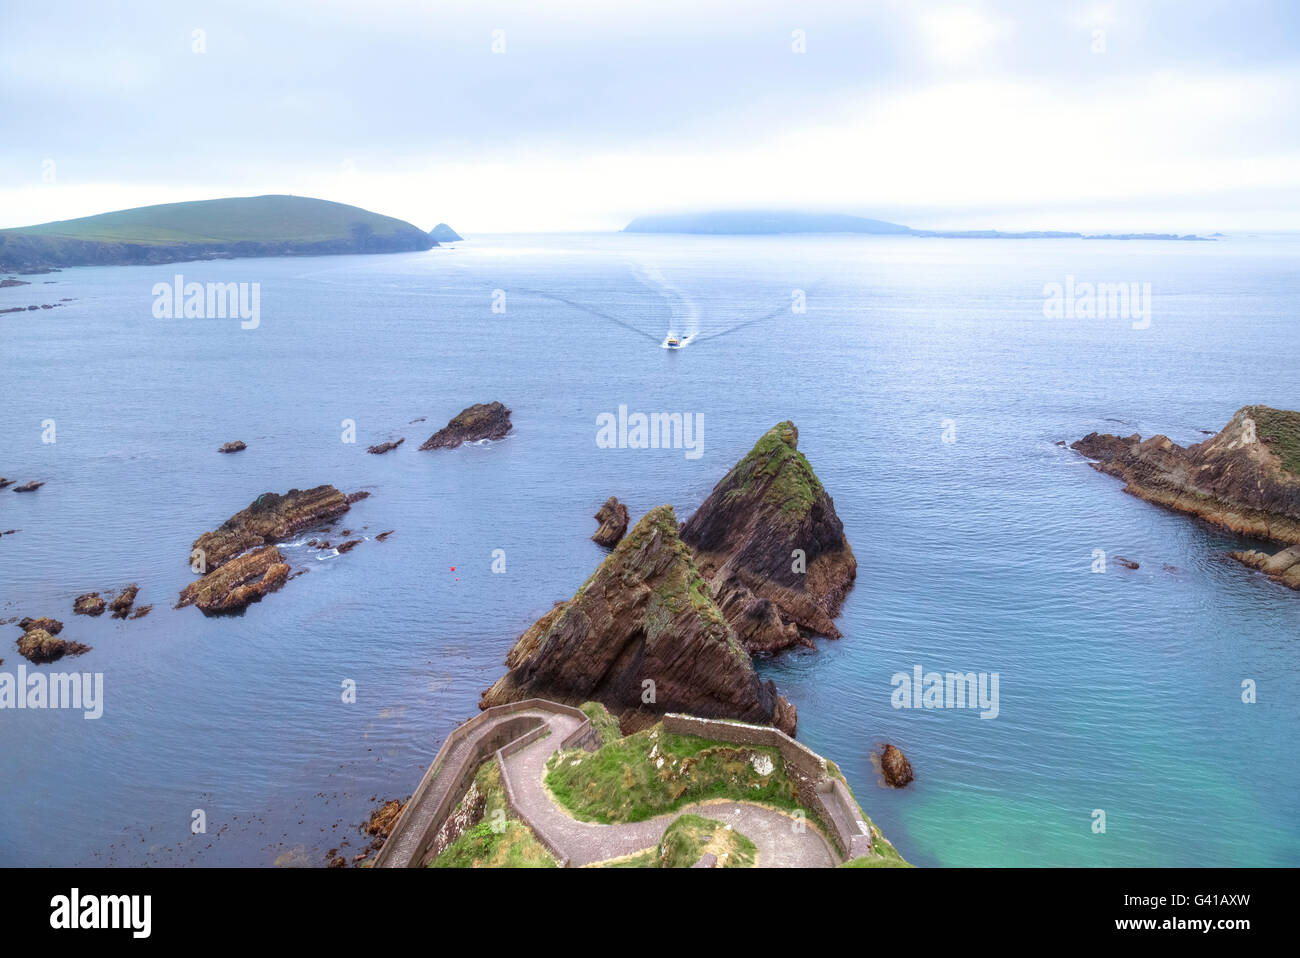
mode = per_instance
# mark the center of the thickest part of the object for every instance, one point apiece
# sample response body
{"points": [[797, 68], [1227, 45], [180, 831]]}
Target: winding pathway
{"points": [[773, 833]]}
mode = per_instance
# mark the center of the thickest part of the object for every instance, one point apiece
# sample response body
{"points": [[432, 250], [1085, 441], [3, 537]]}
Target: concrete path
{"points": [[417, 820], [772, 832]]}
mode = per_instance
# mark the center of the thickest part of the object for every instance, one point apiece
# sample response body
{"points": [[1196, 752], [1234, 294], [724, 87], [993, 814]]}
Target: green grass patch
{"points": [[235, 219], [655, 772], [1279, 429], [606, 725], [690, 837], [497, 841]]}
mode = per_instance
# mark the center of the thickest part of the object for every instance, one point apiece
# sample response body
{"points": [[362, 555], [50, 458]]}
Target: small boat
{"points": [[672, 342]]}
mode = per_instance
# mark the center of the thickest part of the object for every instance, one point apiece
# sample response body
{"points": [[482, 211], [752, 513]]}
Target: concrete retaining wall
{"points": [[448, 778], [826, 795]]}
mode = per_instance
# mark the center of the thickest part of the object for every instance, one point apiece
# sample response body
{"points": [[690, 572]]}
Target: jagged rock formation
{"points": [[1245, 479], [645, 615], [613, 519], [235, 576], [384, 447], [1283, 566], [237, 446], [31, 486], [39, 646], [121, 606], [271, 518], [237, 582], [768, 519], [479, 421]]}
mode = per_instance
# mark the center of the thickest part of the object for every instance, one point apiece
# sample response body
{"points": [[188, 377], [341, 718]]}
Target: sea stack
{"points": [[613, 519], [644, 625], [768, 540]]}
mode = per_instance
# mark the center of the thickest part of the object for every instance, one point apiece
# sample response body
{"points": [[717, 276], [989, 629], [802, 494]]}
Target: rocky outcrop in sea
{"points": [[772, 547], [643, 636], [1245, 479], [239, 560], [474, 423], [613, 519]]}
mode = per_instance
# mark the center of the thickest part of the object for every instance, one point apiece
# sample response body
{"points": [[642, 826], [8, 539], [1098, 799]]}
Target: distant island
{"points": [[209, 229], [442, 233], [772, 222]]}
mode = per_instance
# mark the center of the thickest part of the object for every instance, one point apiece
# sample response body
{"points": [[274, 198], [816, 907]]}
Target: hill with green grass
{"points": [[208, 229]]}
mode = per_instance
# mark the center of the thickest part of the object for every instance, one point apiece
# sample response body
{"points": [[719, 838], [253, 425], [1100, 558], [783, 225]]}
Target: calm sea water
{"points": [[1118, 691]]}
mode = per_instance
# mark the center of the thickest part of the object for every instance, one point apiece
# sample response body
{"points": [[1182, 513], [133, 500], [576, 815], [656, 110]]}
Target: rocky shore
{"points": [[1244, 479]]}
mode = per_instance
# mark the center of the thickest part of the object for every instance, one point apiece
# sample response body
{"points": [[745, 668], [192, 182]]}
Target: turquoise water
{"points": [[1118, 691]]}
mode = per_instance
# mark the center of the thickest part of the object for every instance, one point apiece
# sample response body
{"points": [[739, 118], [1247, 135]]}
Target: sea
{"points": [[1144, 716]]}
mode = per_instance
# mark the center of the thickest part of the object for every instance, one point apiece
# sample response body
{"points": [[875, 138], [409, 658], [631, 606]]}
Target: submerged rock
{"points": [[88, 604], [29, 486], [474, 423], [39, 646], [1245, 479], [141, 611], [613, 519], [384, 447], [237, 582], [895, 766], [235, 446], [646, 615], [772, 547], [269, 519]]}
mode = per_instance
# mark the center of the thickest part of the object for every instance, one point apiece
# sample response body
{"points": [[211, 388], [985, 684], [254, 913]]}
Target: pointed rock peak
{"points": [[769, 531], [646, 615]]}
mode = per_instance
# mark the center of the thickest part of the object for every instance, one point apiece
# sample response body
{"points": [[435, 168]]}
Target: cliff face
{"points": [[1245, 479], [745, 536], [645, 615]]}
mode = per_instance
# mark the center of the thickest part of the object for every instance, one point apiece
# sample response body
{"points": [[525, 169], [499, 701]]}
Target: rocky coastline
{"points": [[1244, 479]]}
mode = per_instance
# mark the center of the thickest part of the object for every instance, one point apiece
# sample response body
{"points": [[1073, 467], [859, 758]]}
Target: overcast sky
{"points": [[1175, 116]]}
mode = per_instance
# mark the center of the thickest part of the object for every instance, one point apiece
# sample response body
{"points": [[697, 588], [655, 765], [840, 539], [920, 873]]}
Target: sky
{"points": [[1162, 115]]}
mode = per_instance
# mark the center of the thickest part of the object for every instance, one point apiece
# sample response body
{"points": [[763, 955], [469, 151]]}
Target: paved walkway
{"points": [[415, 821], [773, 833]]}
